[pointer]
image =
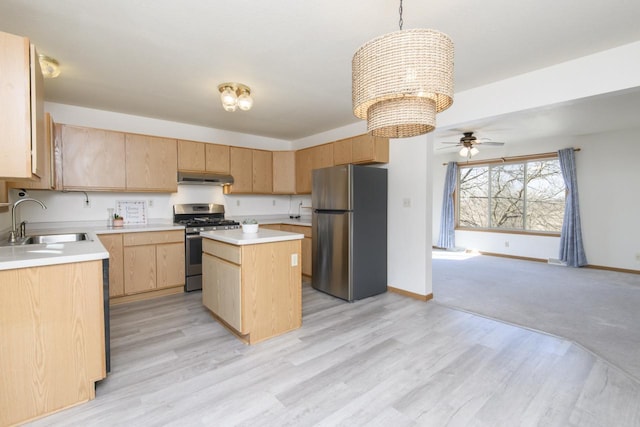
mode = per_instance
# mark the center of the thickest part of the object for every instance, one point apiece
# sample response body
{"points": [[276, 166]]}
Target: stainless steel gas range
{"points": [[198, 217]]}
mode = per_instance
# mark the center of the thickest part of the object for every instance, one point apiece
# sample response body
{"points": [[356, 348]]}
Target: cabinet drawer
{"points": [[225, 251], [301, 229], [153, 238]]}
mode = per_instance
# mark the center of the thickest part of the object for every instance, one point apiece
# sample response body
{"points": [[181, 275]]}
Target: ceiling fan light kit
{"points": [[401, 80], [234, 96]]}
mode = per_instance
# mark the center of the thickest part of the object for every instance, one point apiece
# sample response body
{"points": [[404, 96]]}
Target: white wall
{"points": [[606, 168]]}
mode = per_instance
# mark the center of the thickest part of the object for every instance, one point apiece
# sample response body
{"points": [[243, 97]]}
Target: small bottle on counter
{"points": [[110, 217]]}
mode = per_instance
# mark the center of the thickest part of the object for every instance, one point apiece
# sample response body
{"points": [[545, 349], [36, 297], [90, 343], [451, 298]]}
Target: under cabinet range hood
{"points": [[194, 178]]}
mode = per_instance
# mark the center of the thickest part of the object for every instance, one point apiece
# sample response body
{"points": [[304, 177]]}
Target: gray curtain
{"points": [[571, 248], [447, 223]]}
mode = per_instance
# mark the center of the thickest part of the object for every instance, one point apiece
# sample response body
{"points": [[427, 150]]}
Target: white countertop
{"points": [[304, 220], [264, 235], [24, 256]]}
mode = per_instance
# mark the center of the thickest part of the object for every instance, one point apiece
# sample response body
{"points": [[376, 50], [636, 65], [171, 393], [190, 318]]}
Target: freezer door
{"points": [[331, 263], [331, 188]]}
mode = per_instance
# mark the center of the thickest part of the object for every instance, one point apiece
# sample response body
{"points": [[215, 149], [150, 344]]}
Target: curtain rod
{"points": [[511, 159]]}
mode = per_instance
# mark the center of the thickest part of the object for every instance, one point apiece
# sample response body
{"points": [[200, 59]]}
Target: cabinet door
{"points": [[191, 156], [284, 172], [241, 168], [170, 265], [221, 290], [370, 149], [47, 179], [92, 159], [262, 172], [342, 152], [139, 269], [303, 171], [151, 163], [21, 109], [322, 156], [217, 158], [113, 244]]}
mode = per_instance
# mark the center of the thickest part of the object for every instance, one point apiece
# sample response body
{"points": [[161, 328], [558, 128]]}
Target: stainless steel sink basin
{"points": [[56, 238]]}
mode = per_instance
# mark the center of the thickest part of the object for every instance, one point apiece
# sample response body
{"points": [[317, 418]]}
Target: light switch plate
{"points": [[294, 260]]}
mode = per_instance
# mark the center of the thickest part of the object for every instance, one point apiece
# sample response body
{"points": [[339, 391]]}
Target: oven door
{"points": [[193, 262]]}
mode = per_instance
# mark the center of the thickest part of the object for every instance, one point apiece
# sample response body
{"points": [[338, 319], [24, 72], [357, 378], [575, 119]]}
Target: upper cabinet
{"points": [[262, 172], [363, 149], [284, 172], [92, 159], [21, 110], [241, 168], [151, 163], [104, 160], [202, 157], [308, 159]]}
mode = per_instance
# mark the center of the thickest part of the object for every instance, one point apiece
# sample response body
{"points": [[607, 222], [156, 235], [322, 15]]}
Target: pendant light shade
{"points": [[401, 80]]}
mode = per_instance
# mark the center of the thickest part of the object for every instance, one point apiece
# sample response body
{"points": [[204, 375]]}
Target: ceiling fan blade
{"points": [[450, 142], [447, 148], [495, 143]]}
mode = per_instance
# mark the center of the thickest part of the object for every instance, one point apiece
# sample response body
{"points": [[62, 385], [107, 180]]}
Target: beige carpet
{"points": [[599, 310]]}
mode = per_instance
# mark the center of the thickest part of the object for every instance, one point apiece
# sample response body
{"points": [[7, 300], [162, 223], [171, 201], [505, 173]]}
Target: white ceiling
{"points": [[164, 59]]}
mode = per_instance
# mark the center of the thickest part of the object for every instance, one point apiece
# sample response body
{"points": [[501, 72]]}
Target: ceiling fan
{"points": [[468, 143]]}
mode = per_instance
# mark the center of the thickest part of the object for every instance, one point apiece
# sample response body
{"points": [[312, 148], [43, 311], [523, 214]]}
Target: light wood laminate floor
{"points": [[386, 361]]}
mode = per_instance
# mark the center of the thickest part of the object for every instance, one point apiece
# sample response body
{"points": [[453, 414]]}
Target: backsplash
{"points": [[73, 206]]}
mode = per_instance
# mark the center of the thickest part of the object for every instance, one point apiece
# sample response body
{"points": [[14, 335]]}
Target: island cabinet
{"points": [[255, 289], [202, 157], [307, 244], [144, 264], [21, 110], [53, 338]]}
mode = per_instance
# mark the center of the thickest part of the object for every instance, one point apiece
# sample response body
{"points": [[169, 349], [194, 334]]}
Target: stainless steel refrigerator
{"points": [[349, 231]]}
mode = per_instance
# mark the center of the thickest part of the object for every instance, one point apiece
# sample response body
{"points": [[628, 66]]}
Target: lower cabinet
{"points": [[144, 264], [253, 289]]}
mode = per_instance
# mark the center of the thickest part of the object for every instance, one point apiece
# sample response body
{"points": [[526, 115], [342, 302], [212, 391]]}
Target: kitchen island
{"points": [[252, 282]]}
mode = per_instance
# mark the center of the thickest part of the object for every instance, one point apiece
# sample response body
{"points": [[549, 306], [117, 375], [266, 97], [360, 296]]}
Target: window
{"points": [[523, 196]]}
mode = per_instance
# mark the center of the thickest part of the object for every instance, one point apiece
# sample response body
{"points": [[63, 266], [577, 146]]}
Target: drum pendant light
{"points": [[401, 80]]}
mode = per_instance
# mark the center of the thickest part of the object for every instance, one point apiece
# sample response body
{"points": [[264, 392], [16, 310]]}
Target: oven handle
{"points": [[193, 236]]}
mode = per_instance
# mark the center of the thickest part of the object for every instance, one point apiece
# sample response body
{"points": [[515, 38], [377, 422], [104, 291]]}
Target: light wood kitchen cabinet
{"points": [[308, 159], [202, 157], [92, 159], [284, 172], [53, 338], [21, 109], [253, 288], [361, 149], [145, 264], [48, 179], [113, 244], [241, 168], [262, 172], [151, 163], [307, 244]]}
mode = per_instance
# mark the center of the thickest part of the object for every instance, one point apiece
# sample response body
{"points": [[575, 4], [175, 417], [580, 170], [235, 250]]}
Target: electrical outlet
{"points": [[294, 260], [638, 257], [274, 202], [237, 202], [150, 203], [406, 202], [506, 243]]}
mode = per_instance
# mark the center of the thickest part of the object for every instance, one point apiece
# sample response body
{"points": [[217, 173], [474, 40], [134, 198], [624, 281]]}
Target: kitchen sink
{"points": [[56, 238], [47, 238]]}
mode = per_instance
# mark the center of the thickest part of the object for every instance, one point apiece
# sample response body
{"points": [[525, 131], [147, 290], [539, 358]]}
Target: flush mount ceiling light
{"points": [[401, 80], [235, 95], [50, 67]]}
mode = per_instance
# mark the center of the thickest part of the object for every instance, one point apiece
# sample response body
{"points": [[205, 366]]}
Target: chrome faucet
{"points": [[14, 231]]}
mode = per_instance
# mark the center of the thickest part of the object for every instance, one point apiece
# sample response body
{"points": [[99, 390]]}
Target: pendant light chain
{"points": [[401, 22]]}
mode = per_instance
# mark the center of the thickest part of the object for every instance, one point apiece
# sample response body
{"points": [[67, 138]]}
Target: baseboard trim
{"points": [[595, 267], [146, 295], [409, 294]]}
